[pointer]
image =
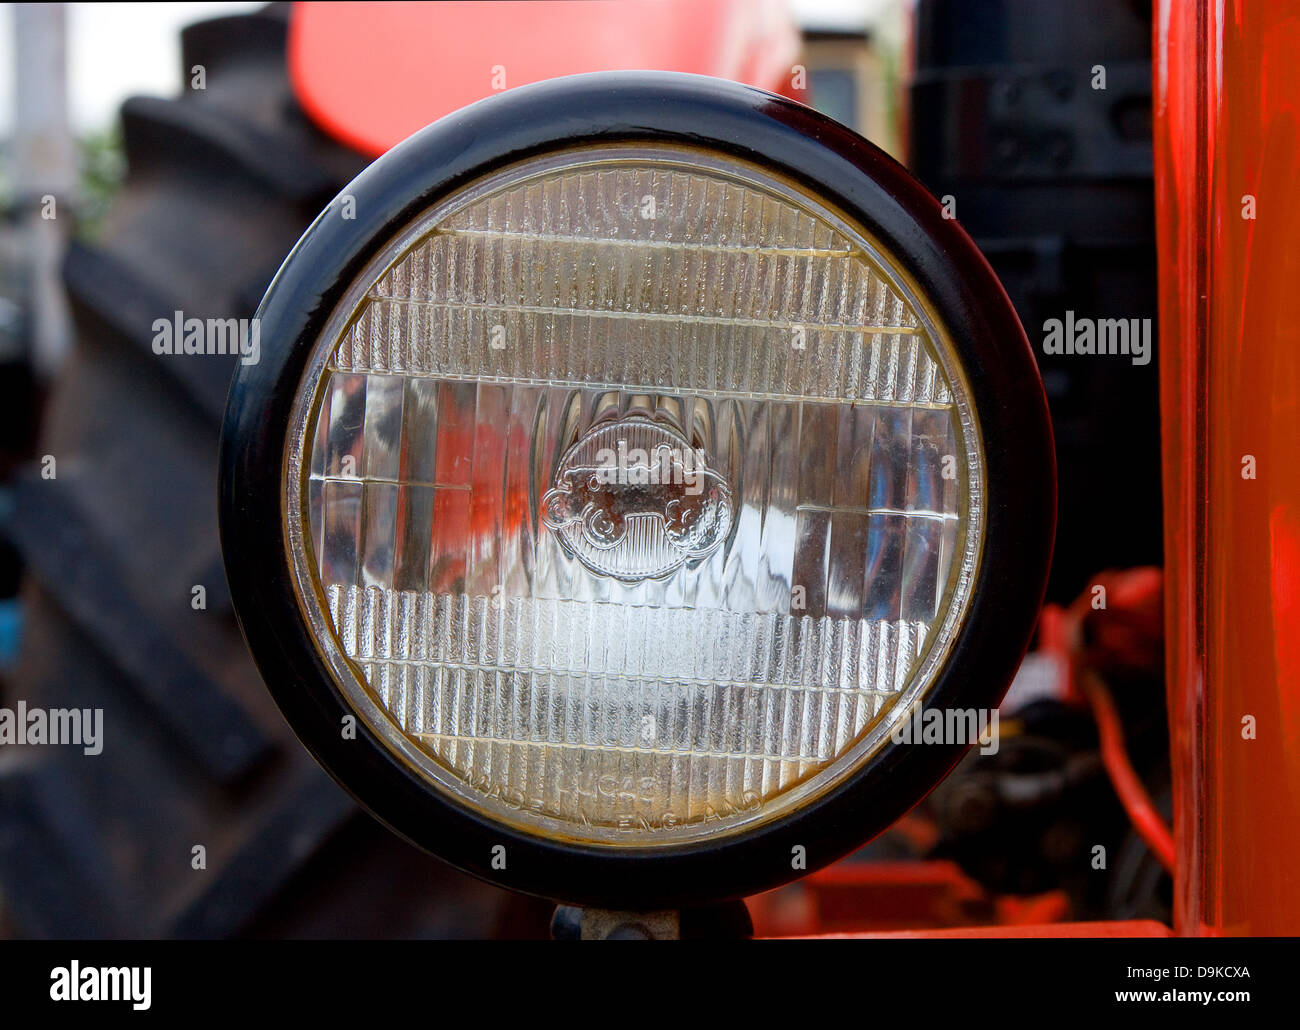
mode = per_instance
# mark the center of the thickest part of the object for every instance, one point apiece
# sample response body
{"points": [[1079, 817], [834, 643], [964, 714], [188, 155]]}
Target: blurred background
{"points": [[129, 188]]}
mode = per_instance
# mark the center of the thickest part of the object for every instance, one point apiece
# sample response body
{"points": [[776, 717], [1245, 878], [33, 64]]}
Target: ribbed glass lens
{"points": [[635, 494]]}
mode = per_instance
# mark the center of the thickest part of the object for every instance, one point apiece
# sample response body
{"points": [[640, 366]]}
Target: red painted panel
{"points": [[1227, 134], [1116, 928], [373, 73]]}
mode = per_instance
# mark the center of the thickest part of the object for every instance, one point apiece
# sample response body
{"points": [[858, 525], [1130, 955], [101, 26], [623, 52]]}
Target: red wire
{"points": [[1146, 820]]}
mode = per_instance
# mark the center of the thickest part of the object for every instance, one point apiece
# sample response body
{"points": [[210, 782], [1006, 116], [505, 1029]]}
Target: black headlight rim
{"points": [[852, 176]]}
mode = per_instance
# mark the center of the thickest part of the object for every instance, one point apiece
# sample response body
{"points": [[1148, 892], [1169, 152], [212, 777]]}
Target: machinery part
{"points": [[423, 424]]}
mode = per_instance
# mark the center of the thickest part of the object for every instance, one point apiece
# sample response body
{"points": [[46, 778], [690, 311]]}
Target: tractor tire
{"points": [[202, 816]]}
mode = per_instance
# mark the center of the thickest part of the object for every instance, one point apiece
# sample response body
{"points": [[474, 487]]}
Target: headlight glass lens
{"points": [[634, 494]]}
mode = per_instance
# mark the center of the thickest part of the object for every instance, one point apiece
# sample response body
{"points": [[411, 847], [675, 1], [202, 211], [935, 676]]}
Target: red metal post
{"points": [[1227, 136]]}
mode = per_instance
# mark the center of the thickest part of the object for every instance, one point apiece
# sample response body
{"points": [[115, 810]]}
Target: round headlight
{"points": [[630, 455]]}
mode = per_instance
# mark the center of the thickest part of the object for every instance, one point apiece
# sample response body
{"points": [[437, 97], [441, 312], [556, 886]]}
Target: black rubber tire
{"points": [[221, 183]]}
